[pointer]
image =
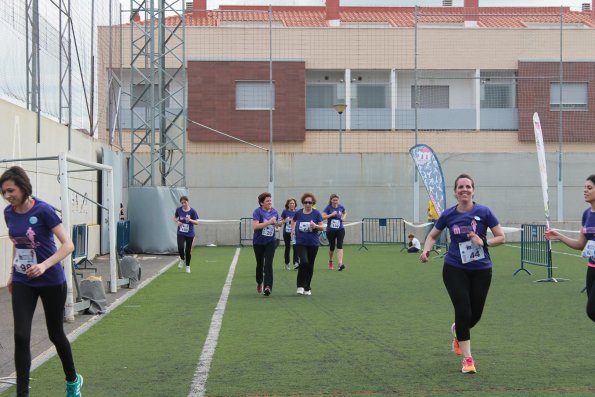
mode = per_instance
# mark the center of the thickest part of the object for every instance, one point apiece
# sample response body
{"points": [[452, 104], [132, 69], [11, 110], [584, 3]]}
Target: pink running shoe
{"points": [[468, 366]]}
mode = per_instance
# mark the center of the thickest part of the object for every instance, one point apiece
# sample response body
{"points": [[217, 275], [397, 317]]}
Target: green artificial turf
{"points": [[381, 328]]}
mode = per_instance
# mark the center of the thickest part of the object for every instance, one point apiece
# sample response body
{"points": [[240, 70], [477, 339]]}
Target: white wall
{"points": [[18, 134]]}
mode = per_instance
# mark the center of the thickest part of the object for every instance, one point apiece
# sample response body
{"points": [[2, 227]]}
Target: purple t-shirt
{"points": [[267, 234], [459, 224], [287, 214], [588, 223], [33, 239], [334, 223], [303, 234], [186, 228]]}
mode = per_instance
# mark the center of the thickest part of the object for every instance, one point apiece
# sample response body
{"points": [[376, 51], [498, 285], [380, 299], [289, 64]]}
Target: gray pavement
{"points": [[41, 347]]}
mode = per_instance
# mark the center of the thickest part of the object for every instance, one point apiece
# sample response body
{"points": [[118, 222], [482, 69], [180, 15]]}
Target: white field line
{"points": [[199, 381], [553, 252], [51, 352]]}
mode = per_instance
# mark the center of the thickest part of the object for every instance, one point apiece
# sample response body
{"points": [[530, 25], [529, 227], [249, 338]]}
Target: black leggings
{"points": [[307, 255], [468, 290], [288, 247], [335, 237], [591, 292], [185, 248], [264, 263], [24, 301]]}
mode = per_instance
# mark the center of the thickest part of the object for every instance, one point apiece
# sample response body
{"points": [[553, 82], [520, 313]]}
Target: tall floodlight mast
{"points": [[158, 93]]}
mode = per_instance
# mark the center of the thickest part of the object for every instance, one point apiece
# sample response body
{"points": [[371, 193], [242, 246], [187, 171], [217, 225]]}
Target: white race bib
{"points": [[304, 227], [24, 258], [184, 228], [589, 250], [335, 223], [288, 227], [268, 231], [470, 252]]}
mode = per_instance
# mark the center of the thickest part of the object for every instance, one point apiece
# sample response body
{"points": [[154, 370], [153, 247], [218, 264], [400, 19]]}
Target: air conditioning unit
{"points": [[586, 7], [446, 3], [189, 5]]}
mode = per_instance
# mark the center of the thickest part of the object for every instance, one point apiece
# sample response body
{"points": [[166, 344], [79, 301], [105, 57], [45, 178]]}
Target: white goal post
{"points": [[63, 160]]}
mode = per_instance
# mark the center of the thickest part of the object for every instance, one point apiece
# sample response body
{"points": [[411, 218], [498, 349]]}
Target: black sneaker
{"points": [[267, 291], [341, 267]]}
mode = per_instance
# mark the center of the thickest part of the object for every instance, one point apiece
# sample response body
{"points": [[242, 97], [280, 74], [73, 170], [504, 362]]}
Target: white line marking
{"points": [[199, 381]]}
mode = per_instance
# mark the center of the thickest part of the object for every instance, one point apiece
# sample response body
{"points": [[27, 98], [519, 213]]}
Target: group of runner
{"points": [[37, 272], [300, 228]]}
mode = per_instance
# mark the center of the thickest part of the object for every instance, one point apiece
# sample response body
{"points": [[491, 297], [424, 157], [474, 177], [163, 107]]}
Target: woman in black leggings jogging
{"points": [[305, 226], [467, 271], [286, 218], [264, 222], [36, 273]]}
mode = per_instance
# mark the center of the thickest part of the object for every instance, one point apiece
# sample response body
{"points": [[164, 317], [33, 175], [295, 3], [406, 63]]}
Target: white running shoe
{"points": [[308, 293], [300, 291], [187, 269], [180, 263]]}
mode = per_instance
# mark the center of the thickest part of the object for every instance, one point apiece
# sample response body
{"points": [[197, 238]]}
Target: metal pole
{"points": [[561, 127], [340, 135], [66, 262], [271, 188], [415, 176]]}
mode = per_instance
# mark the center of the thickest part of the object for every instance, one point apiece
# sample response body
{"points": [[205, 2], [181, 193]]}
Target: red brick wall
{"points": [[212, 101], [534, 96]]}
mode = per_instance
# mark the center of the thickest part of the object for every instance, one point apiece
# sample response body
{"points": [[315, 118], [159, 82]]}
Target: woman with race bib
{"points": [[264, 241], [584, 242], [286, 217], [37, 273], [305, 226], [186, 218], [467, 270], [334, 214]]}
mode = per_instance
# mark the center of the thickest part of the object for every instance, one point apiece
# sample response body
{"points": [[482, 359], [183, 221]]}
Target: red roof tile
{"points": [[404, 17]]}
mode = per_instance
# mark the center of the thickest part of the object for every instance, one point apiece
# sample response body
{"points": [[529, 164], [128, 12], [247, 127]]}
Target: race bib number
{"points": [[335, 223], [268, 231], [470, 252], [589, 250], [24, 258], [304, 227], [288, 227], [184, 228]]}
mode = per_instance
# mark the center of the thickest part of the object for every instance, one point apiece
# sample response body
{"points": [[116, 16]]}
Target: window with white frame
{"points": [[255, 95], [574, 96], [321, 96], [371, 96], [431, 96], [497, 96]]}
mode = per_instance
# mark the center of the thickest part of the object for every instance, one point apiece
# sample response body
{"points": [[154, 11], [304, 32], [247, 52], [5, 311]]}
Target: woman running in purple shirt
{"points": [[36, 274], [467, 271], [584, 242], [264, 242]]}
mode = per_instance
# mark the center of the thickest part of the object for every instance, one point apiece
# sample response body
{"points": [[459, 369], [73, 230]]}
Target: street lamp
{"points": [[340, 108]]}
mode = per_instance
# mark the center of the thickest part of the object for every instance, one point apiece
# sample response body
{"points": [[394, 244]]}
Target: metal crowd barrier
{"points": [[383, 231], [246, 231], [536, 251]]}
